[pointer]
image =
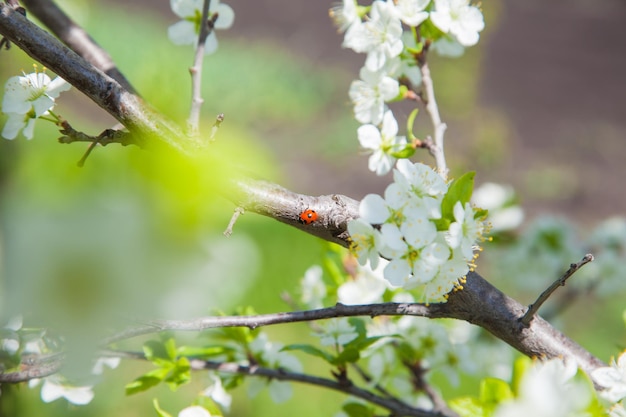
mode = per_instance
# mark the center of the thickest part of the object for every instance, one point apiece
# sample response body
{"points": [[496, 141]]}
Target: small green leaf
{"points": [[358, 410], [493, 391], [179, 375], [460, 190], [210, 405], [403, 90], [469, 407], [157, 351], [311, 350], [404, 153], [202, 352], [159, 410], [410, 122], [146, 381], [347, 355]]}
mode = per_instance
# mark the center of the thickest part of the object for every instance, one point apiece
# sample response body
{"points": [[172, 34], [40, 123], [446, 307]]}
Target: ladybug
{"points": [[308, 216]]}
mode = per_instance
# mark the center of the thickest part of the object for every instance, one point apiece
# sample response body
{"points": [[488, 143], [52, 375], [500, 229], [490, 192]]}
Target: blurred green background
{"points": [[141, 234]]}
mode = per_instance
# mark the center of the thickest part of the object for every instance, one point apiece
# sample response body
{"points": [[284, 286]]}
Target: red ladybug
{"points": [[308, 216]]}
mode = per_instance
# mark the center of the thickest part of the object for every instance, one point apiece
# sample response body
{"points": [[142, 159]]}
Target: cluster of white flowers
{"points": [[543, 388], [27, 98], [377, 30], [426, 244], [612, 379], [186, 31]]}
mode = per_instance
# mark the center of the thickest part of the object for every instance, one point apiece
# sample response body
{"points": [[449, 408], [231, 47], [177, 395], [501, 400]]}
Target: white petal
{"points": [[226, 16], [79, 395], [51, 391], [369, 137], [183, 33], [186, 8], [390, 125], [13, 125], [211, 44], [194, 411], [373, 209], [29, 129], [57, 86]]}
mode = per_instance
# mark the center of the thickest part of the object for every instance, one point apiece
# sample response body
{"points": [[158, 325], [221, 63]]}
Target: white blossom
{"points": [[464, 232], [499, 200], [613, 379], [370, 93], [459, 19], [54, 389], [187, 30], [27, 98], [542, 391], [345, 14], [407, 234], [379, 37], [101, 363], [382, 143], [412, 12], [217, 393], [365, 242], [368, 286], [313, 287], [448, 47], [271, 355], [336, 332], [194, 411]]}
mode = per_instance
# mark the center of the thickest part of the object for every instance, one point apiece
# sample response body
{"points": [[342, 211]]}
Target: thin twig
{"points": [[206, 28], [438, 126], [106, 137], [252, 322], [218, 122], [418, 372], [397, 407], [534, 307], [75, 37], [229, 230]]}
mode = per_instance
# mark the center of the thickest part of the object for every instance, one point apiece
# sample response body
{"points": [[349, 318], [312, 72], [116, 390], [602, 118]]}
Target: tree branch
{"points": [[126, 107], [534, 307], [397, 407], [76, 38]]}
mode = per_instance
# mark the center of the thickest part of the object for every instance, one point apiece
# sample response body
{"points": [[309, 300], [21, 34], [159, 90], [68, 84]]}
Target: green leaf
{"points": [[311, 350], [159, 352], [202, 352], [460, 190], [179, 375], [159, 410], [358, 410], [347, 355], [404, 153], [493, 391], [403, 90], [146, 381], [469, 407], [410, 122], [210, 405]]}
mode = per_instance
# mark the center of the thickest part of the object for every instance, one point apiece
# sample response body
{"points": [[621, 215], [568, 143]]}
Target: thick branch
{"points": [[76, 38], [126, 107]]}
